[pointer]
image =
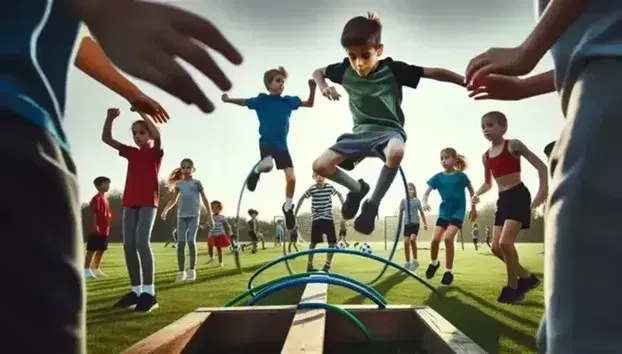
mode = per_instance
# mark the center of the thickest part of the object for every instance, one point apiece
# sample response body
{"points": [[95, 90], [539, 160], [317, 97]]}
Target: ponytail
{"points": [[174, 177], [461, 162]]}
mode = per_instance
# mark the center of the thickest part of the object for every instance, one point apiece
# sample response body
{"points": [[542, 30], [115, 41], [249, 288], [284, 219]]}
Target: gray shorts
{"points": [[357, 147]]}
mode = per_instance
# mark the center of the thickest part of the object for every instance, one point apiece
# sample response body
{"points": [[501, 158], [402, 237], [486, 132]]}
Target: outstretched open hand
{"points": [[144, 39], [501, 61], [149, 106], [497, 87]]}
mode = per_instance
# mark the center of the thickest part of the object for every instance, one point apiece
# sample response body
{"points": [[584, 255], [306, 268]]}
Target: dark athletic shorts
{"points": [[411, 229], [282, 158], [253, 236], [43, 214], [97, 242], [293, 236], [321, 227], [445, 223], [342, 233], [514, 204], [358, 147]]}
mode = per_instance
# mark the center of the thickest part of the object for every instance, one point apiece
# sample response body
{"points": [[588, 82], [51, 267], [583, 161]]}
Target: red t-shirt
{"points": [[141, 182], [101, 212]]}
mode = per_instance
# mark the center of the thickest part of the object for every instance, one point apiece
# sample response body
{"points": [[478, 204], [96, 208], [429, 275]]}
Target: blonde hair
{"points": [[410, 184], [176, 175], [270, 74], [461, 161]]}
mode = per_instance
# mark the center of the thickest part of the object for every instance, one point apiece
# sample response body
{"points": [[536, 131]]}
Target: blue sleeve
{"points": [[405, 74], [253, 102], [466, 180], [294, 102], [433, 182], [199, 186], [335, 72]]}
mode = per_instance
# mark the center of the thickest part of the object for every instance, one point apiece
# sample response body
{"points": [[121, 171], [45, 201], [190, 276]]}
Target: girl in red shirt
{"points": [[139, 207]]}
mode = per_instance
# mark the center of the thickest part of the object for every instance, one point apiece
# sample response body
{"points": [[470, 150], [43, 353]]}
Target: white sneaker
{"points": [[181, 276], [222, 264], [98, 273], [192, 275], [210, 260], [88, 274], [414, 264], [407, 265]]}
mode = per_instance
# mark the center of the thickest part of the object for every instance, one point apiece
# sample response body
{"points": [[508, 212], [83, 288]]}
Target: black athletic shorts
{"points": [[411, 229], [253, 236], [293, 236], [321, 227], [44, 212], [445, 223], [97, 242], [342, 233], [514, 204], [282, 158]]}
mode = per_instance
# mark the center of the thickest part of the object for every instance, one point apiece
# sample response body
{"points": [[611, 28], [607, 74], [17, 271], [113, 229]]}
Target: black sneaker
{"points": [[429, 273], [326, 268], [310, 269], [290, 219], [448, 278], [128, 300], [353, 201], [356, 244], [146, 303], [251, 182], [510, 296], [528, 284], [365, 222]]}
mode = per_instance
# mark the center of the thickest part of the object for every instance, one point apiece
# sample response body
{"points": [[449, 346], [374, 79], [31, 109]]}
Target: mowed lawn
{"points": [[470, 303]]}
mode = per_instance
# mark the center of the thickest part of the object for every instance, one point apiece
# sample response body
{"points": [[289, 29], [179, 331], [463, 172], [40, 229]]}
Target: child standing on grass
{"points": [[293, 239], [139, 207], [411, 211], [343, 232], [188, 193], [321, 194], [279, 233], [450, 183], [475, 235], [502, 162], [488, 237], [274, 111], [374, 89], [220, 234], [97, 242]]}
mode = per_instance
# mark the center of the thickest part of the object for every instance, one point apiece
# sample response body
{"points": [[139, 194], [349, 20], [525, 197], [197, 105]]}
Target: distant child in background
{"points": [[97, 242], [475, 235], [253, 230], [488, 237], [173, 239], [188, 193], [374, 89], [411, 211], [293, 239], [450, 183], [343, 232], [279, 233], [274, 111], [502, 162], [139, 207], [321, 194], [220, 234]]}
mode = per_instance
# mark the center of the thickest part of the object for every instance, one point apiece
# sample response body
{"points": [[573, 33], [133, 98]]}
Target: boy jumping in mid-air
{"points": [[274, 110], [321, 194], [374, 88], [97, 243]]}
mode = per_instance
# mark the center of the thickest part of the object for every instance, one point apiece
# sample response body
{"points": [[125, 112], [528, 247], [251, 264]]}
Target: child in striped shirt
{"points": [[219, 235]]}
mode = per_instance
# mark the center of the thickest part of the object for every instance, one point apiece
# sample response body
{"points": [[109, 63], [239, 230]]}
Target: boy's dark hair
{"points": [[362, 31], [252, 211], [100, 180], [216, 203]]}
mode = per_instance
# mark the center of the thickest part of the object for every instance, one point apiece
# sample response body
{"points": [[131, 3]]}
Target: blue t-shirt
{"points": [[451, 188], [37, 38], [273, 112]]}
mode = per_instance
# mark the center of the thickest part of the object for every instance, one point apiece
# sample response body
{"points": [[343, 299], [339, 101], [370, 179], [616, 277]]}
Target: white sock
{"points": [[288, 203], [448, 270], [137, 289], [149, 289], [434, 262]]}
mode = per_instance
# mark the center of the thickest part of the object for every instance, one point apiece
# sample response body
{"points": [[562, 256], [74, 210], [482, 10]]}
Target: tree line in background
{"points": [[385, 227]]}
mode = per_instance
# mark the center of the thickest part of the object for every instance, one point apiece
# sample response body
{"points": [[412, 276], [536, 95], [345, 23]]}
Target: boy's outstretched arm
{"points": [[153, 130], [443, 75], [107, 130], [242, 102], [512, 88], [311, 100]]}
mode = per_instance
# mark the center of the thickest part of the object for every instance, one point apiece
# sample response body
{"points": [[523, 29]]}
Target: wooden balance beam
{"points": [[299, 338]]}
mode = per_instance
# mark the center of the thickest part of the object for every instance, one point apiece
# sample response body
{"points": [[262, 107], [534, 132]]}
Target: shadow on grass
{"points": [[382, 287], [482, 328]]}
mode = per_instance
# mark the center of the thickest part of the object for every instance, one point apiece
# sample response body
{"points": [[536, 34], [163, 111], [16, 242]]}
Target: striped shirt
{"points": [[321, 201], [221, 226], [411, 216]]}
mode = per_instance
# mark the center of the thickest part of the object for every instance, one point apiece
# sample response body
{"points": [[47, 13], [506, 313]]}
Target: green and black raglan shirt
{"points": [[376, 99]]}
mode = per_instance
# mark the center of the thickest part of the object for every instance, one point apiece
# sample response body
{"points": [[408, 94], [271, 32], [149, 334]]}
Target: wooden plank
{"points": [[443, 337], [306, 334], [271, 308], [172, 338]]}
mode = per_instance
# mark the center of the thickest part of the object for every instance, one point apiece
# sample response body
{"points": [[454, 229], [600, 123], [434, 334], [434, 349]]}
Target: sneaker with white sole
{"points": [[192, 275], [181, 276], [407, 265], [221, 264], [88, 274], [414, 264], [209, 260], [99, 273]]}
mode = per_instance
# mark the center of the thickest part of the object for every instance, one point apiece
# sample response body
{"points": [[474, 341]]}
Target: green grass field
{"points": [[469, 303]]}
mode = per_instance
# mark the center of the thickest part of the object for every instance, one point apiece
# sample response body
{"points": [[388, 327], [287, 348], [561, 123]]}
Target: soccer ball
{"points": [[235, 247], [365, 248], [341, 245]]}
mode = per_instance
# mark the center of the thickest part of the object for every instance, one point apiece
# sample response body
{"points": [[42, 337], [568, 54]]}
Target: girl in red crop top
{"points": [[503, 162]]}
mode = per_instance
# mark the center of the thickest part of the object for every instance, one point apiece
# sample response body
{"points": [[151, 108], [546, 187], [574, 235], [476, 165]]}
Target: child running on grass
{"points": [[274, 111], [97, 242], [374, 88], [188, 193], [411, 211], [139, 206], [220, 234], [450, 183], [321, 194], [502, 162]]}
